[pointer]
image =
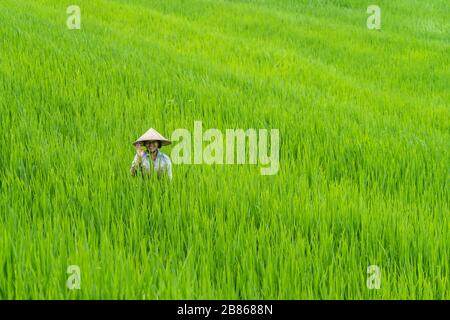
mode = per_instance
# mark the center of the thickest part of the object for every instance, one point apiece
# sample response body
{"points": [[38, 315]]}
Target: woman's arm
{"points": [[137, 159], [135, 165]]}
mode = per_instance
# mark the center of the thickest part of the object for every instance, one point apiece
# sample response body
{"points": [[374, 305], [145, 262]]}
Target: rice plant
{"points": [[363, 180]]}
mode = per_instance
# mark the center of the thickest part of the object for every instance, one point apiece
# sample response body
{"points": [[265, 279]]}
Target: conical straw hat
{"points": [[153, 135]]}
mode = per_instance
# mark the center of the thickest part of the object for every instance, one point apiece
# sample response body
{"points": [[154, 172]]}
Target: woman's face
{"points": [[152, 146]]}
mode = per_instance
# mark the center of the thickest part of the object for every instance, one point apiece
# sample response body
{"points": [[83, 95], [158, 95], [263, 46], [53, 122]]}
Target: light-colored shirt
{"points": [[162, 164]]}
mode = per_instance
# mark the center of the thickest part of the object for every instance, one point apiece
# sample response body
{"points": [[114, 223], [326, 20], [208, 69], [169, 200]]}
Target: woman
{"points": [[152, 159]]}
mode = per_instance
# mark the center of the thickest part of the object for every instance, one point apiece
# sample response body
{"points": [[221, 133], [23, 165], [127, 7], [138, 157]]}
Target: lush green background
{"points": [[364, 123]]}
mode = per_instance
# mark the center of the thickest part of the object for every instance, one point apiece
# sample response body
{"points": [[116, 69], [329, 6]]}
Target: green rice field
{"points": [[363, 178]]}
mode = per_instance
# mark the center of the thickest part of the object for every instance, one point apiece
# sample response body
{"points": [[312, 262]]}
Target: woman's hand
{"points": [[139, 150]]}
